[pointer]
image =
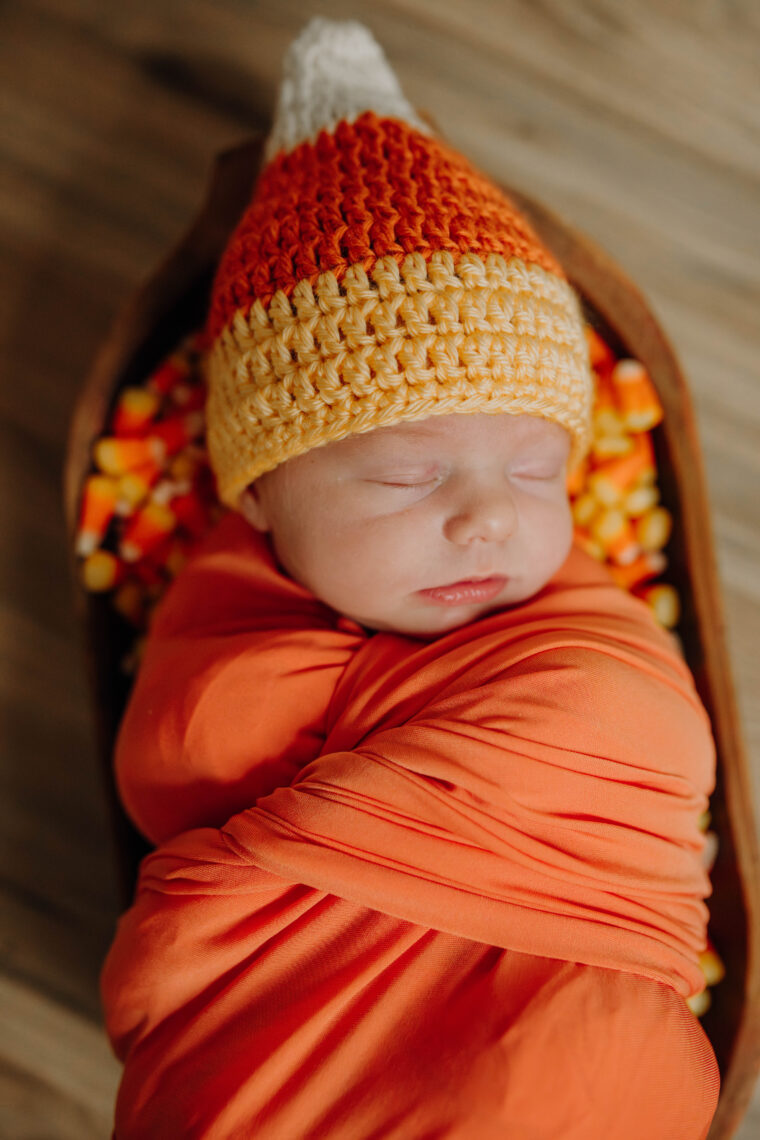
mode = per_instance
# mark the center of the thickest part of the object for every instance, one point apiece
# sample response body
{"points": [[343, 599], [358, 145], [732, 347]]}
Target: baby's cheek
{"points": [[349, 554], [553, 535], [564, 540], [565, 525]]}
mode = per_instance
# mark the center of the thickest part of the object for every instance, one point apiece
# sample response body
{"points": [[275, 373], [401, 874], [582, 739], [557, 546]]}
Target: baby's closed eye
{"points": [[539, 471]]}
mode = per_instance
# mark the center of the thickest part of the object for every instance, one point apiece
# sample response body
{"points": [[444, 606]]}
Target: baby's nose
{"points": [[487, 513]]}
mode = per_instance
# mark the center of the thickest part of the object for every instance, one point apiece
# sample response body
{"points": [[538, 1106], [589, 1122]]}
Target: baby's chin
{"points": [[420, 618], [435, 621]]}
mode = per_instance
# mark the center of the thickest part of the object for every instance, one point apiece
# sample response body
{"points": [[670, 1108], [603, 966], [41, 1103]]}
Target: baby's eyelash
{"points": [[422, 483], [553, 474], [541, 474]]}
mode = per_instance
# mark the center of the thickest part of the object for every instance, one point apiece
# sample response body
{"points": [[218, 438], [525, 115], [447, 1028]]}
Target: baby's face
{"points": [[367, 522]]}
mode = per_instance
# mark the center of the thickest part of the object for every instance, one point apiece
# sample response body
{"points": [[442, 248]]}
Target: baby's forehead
{"points": [[446, 430]]}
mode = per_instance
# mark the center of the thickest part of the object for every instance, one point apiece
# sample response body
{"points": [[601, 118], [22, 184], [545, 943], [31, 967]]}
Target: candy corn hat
{"points": [[376, 277]]}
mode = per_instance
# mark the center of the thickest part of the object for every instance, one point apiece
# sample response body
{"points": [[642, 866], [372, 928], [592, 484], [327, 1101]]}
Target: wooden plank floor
{"points": [[639, 122]]}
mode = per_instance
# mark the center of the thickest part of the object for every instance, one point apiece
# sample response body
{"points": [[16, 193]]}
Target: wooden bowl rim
{"points": [[619, 305]]}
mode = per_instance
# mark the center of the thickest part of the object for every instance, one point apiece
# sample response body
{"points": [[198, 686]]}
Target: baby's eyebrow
{"points": [[418, 431], [379, 448]]}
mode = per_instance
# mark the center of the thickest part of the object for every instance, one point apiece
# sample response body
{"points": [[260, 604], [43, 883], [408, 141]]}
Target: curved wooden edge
{"points": [[194, 254], [621, 305], [227, 189]]}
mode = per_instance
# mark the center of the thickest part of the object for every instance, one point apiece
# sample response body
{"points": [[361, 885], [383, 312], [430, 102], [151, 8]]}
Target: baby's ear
{"points": [[252, 509]]}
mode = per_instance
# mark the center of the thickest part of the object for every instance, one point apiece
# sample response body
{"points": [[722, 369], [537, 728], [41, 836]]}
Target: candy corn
{"points": [[637, 399], [610, 446], [135, 408], [607, 421], [711, 966], [584, 508], [603, 490], [133, 489], [146, 530], [167, 489], [710, 850], [646, 565], [115, 456], [99, 499], [611, 480], [614, 533], [101, 571], [653, 528], [640, 500], [664, 600], [699, 1003]]}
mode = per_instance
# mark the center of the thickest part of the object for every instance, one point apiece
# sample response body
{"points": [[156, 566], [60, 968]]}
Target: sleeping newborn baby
{"points": [[422, 526], [424, 783]]}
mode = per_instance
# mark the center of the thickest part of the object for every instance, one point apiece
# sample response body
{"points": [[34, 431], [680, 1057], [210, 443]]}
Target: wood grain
{"points": [[637, 123]]}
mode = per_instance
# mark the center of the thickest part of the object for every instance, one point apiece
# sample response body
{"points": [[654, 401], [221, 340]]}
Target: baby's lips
{"points": [[470, 581]]}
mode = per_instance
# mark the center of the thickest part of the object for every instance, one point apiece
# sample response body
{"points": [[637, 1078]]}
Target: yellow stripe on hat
{"points": [[429, 336]]}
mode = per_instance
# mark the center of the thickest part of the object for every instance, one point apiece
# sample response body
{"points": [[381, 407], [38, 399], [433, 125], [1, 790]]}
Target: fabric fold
{"points": [[412, 815]]}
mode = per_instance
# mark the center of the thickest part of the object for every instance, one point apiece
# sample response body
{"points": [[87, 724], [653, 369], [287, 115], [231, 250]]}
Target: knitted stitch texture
{"points": [[375, 277], [371, 188], [332, 71]]}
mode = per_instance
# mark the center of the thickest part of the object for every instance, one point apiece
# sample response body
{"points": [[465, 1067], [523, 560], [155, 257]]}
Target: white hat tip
{"points": [[334, 70]]}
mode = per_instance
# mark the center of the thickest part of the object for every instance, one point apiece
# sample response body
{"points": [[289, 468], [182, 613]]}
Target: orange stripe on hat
{"points": [[373, 188]]}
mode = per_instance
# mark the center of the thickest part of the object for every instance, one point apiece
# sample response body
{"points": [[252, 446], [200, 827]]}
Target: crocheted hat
{"points": [[376, 277]]}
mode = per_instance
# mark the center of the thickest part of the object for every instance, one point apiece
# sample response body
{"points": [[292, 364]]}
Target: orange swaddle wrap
{"points": [[407, 887]]}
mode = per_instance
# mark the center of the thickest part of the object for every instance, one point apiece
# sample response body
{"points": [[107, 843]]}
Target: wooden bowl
{"points": [[172, 304]]}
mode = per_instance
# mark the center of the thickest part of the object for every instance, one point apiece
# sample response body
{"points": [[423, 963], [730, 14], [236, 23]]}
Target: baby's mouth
{"points": [[472, 590], [476, 579]]}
